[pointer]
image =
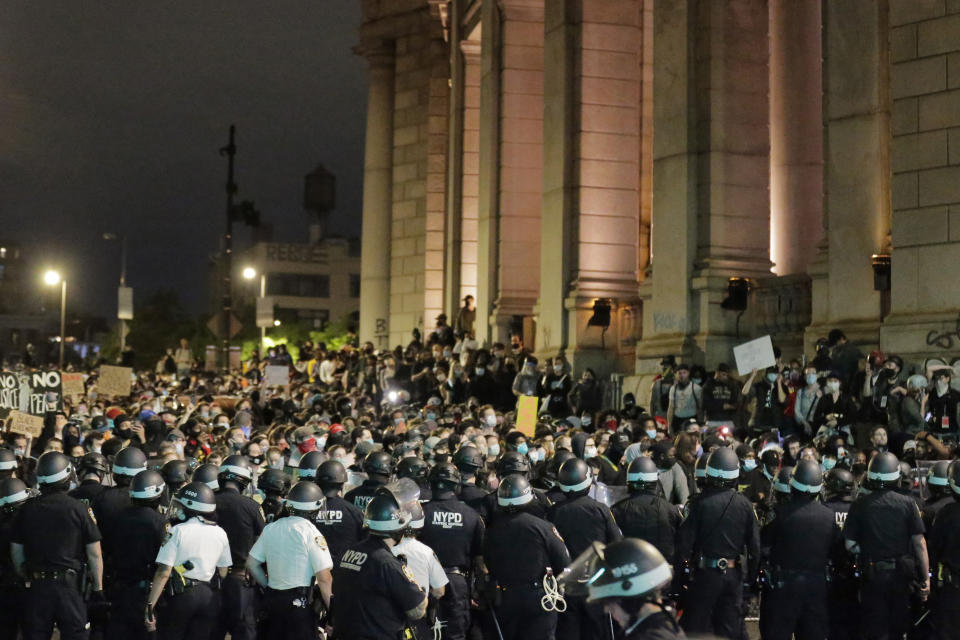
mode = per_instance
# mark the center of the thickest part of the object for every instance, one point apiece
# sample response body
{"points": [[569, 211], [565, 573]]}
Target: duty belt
{"points": [[717, 563], [883, 565], [190, 582], [460, 571], [60, 575]]}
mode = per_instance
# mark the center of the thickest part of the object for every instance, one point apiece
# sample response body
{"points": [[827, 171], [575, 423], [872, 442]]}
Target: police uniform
{"points": [[842, 601], [649, 517], [143, 529], [372, 592], [581, 520], [455, 532], [54, 530], [107, 507], [294, 552], [240, 517], [192, 613], [88, 491], [883, 524], [341, 524], [801, 538], [661, 625], [720, 525], [361, 496], [930, 510], [272, 508], [539, 507], [11, 585], [518, 548], [427, 572], [945, 566], [473, 496]]}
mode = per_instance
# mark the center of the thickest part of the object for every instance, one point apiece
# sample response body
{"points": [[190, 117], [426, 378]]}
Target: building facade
{"points": [[554, 158]]}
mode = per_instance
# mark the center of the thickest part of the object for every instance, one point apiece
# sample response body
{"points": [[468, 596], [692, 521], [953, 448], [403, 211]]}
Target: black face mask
{"points": [[256, 460], [858, 468]]}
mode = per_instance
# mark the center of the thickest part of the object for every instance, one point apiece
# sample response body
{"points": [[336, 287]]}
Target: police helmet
{"points": [[128, 462], [197, 498], [906, 475], [723, 467], [938, 477], [627, 568], [413, 468], [700, 468], [53, 468], [235, 468], [839, 482], [95, 463], [512, 462], [807, 477], [444, 477], [552, 468], [378, 463], [384, 516], [13, 493], [207, 474], [955, 478], [309, 464], [331, 472], [8, 461], [468, 459], [642, 474], [883, 472], [514, 491], [274, 482], [147, 486], [417, 518], [574, 476], [781, 483], [304, 497], [176, 473]]}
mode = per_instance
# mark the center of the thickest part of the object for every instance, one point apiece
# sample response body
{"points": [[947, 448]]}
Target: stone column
{"points": [[470, 167], [455, 136], [796, 134], [377, 199], [856, 168], [591, 184]]}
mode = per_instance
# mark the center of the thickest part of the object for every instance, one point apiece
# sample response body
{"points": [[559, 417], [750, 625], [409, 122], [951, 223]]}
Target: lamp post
{"points": [[121, 313], [52, 278], [249, 273]]}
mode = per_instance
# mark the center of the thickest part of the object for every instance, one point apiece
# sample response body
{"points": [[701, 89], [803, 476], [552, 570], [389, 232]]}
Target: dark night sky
{"points": [[112, 113]]}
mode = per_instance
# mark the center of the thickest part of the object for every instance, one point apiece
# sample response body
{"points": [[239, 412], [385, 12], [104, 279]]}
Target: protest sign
{"points": [[28, 425], [72, 384], [276, 376], [114, 381], [29, 392], [756, 354], [527, 415]]}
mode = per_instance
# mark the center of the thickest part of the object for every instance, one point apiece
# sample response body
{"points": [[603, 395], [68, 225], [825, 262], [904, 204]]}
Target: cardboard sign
{"points": [[756, 354], [72, 384], [276, 376], [114, 381], [29, 392], [25, 423], [527, 415]]}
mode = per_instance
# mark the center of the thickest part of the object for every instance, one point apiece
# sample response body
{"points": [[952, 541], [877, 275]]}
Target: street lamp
{"points": [[52, 278], [124, 295], [249, 273]]}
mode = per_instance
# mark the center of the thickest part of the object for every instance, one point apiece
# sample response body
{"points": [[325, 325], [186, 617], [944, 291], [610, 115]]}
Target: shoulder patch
{"points": [[166, 537], [320, 542], [92, 517], [408, 573], [557, 533]]}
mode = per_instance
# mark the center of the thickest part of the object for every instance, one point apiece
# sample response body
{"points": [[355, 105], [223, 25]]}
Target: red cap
{"points": [[336, 428], [113, 412]]}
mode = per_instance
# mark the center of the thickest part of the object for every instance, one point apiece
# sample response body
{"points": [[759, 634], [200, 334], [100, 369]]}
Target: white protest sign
{"points": [[756, 354], [276, 376], [114, 381], [25, 423]]}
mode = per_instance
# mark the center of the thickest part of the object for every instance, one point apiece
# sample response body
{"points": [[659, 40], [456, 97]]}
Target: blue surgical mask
{"points": [[828, 463], [772, 377], [652, 434], [585, 421], [749, 464], [431, 415], [697, 380], [479, 371], [493, 450], [811, 378], [522, 448]]}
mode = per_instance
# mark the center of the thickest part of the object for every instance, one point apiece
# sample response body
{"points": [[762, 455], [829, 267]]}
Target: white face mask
{"points": [[493, 450], [942, 386], [491, 420], [589, 452], [833, 386]]}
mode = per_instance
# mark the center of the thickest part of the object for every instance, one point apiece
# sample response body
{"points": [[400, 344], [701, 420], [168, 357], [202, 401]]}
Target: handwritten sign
{"points": [[25, 423], [114, 381], [72, 384], [756, 354], [527, 415], [276, 376], [29, 392]]}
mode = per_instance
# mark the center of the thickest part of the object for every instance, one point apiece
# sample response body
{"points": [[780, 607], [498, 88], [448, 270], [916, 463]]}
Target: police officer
{"points": [[240, 516], [378, 465], [886, 530], [512, 463], [469, 462], [839, 487], [143, 527], [192, 551], [799, 542], [8, 464], [945, 561], [628, 578], [295, 555], [92, 469], [53, 536], [176, 473], [720, 526], [519, 548], [455, 531], [13, 494], [274, 483], [549, 480], [207, 474], [307, 469], [113, 500], [644, 514], [340, 522], [415, 469], [376, 595], [938, 488], [581, 520]]}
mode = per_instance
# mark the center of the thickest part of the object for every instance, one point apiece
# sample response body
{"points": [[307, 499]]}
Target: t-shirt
{"points": [[293, 550], [199, 542]]}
